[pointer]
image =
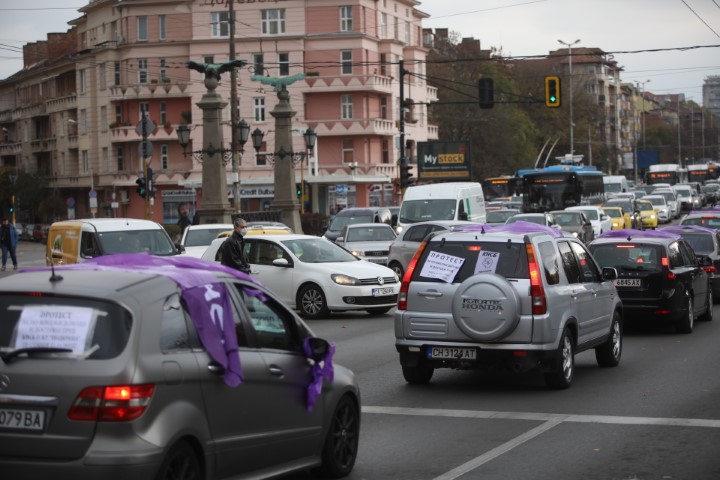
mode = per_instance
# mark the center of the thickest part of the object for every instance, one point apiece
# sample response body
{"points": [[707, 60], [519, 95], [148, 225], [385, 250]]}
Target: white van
{"points": [[615, 184], [442, 201]]}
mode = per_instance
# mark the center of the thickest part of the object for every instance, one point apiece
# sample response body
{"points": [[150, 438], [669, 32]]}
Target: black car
{"points": [[575, 223], [659, 276], [706, 243]]}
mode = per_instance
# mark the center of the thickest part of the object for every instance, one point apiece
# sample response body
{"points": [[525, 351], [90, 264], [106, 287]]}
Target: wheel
{"points": [[608, 354], [564, 366], [181, 463], [311, 302], [341, 443], [686, 323], [419, 375], [397, 268], [378, 310], [708, 315]]}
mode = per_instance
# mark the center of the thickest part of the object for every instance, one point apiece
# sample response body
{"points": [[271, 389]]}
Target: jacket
{"points": [[233, 253], [13, 235]]}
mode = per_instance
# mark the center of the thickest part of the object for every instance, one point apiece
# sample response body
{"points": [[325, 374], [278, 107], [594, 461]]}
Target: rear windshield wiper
{"points": [[8, 357]]}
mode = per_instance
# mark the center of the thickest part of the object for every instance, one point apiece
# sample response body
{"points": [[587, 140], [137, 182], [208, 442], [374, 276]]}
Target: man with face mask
{"points": [[233, 249]]}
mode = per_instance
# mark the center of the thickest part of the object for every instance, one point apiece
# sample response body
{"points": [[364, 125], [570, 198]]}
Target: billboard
{"points": [[443, 161]]}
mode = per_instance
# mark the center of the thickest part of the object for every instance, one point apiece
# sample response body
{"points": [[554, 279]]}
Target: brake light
{"points": [[537, 292], [402, 296], [117, 403], [710, 269], [664, 262]]}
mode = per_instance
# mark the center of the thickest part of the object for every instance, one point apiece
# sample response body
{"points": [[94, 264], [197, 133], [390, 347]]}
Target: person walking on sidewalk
{"points": [[8, 241]]}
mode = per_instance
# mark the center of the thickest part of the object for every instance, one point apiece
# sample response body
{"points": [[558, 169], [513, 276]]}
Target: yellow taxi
{"points": [[647, 213], [617, 217], [260, 230]]}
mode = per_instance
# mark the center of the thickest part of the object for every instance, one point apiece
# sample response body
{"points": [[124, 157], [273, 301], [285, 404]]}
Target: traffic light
{"points": [[149, 184], [486, 92], [404, 173], [298, 190], [552, 91], [141, 187]]}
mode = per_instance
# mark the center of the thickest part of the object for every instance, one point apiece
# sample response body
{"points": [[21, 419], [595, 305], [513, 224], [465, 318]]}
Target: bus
{"points": [[557, 189], [701, 172], [503, 186], [665, 173]]}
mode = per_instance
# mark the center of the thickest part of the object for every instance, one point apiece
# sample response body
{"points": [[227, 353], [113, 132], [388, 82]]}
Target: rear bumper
{"points": [[671, 306]]}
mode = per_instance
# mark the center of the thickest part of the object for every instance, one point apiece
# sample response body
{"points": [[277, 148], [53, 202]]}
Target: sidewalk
{"points": [[29, 254]]}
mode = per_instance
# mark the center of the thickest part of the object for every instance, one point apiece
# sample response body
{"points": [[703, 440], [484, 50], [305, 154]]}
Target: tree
{"points": [[32, 199]]}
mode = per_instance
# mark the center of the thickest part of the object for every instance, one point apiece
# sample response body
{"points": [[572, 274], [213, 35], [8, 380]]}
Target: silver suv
{"points": [[521, 296]]}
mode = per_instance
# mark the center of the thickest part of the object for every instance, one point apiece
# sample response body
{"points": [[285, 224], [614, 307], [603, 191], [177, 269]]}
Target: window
{"points": [[346, 107], [142, 70], [209, 59], [274, 326], [105, 160], [163, 113], [83, 122], [273, 21], [85, 161], [588, 269], [259, 109], [259, 63], [689, 257], [396, 28], [142, 28], [120, 159], [102, 78], [383, 64], [163, 69], [116, 73], [407, 32], [383, 25], [220, 24], [385, 151], [261, 158], [572, 270], [676, 260], [103, 118], [346, 19], [348, 152], [118, 114], [283, 64], [417, 233], [162, 35], [346, 62], [144, 110], [550, 262], [174, 326], [383, 107], [164, 157], [83, 81]]}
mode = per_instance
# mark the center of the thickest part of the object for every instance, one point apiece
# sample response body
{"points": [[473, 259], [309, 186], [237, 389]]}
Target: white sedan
{"points": [[196, 238], [317, 276]]}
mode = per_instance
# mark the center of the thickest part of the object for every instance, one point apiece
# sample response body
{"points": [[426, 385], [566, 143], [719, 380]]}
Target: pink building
{"points": [[76, 120]]}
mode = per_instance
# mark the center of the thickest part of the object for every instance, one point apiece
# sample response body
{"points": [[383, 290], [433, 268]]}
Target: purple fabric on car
{"points": [[629, 233], [519, 227], [322, 369], [680, 229]]}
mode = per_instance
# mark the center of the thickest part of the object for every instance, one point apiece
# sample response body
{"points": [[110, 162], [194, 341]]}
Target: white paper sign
{"points": [[442, 266], [487, 262], [54, 326]]}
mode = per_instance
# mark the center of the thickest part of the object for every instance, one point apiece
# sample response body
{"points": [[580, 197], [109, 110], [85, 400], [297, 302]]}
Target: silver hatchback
{"points": [[522, 297], [165, 368]]}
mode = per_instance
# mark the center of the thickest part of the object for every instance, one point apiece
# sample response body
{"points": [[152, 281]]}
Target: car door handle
{"points": [[276, 371], [428, 293]]}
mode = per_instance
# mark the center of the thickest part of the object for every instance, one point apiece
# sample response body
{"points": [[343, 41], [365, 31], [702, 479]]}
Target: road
{"points": [[656, 416]]}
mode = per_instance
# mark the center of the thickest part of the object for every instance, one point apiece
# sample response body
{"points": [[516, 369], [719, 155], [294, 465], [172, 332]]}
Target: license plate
{"points": [[628, 282], [379, 292], [30, 420], [381, 261], [452, 353]]}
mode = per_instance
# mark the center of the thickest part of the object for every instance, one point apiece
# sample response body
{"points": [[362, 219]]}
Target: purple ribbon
{"points": [[321, 369], [519, 227]]}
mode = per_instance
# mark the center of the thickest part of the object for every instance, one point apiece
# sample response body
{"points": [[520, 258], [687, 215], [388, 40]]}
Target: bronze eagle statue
{"points": [[214, 70]]}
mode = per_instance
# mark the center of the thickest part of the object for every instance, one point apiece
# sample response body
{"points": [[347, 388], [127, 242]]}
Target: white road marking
{"points": [[549, 420]]}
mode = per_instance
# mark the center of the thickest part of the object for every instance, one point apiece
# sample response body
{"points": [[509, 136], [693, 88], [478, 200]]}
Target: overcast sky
{"points": [[517, 27]]}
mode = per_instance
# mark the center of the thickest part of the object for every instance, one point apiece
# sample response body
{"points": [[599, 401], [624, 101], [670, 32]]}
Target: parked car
{"points": [[546, 219], [40, 233], [520, 296], [404, 246], [661, 207], [705, 242], [114, 368], [27, 232], [575, 223], [659, 276], [600, 221], [368, 241], [317, 276], [500, 216], [196, 238]]}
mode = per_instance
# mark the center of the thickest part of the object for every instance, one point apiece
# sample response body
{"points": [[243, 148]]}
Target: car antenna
{"points": [[53, 277], [482, 229], [629, 238]]}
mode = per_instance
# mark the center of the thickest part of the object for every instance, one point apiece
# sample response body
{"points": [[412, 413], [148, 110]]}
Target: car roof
{"points": [[368, 225], [210, 226], [111, 224], [630, 235]]}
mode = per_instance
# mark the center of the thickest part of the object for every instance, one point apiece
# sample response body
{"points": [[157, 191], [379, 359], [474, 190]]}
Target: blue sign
{"points": [[341, 189]]}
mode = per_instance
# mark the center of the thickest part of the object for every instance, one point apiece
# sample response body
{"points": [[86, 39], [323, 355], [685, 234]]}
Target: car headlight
{"points": [[342, 279], [652, 217], [575, 234], [358, 253]]}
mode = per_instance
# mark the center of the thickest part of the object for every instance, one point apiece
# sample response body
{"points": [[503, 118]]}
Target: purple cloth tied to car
{"points": [[321, 370], [519, 227], [631, 234]]}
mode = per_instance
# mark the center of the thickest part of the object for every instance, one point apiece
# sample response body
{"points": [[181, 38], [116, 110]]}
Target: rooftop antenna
{"points": [[53, 278]]}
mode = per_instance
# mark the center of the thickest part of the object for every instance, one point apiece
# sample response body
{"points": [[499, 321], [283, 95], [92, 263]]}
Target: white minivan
{"points": [[442, 201]]}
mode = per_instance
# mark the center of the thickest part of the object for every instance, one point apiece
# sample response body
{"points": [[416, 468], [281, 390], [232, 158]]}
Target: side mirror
{"points": [[394, 220], [704, 261], [281, 262], [603, 216], [609, 273], [463, 216], [319, 348], [339, 239]]}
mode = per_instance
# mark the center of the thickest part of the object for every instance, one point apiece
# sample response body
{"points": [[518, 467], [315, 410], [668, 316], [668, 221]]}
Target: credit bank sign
{"points": [[443, 161]]}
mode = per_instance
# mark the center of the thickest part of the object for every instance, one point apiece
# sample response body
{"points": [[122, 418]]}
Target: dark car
{"points": [[705, 242], [712, 192], [575, 223], [348, 216], [499, 217], [705, 218], [659, 276]]}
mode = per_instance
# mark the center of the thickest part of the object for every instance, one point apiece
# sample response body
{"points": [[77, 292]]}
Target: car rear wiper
{"points": [[8, 357]]}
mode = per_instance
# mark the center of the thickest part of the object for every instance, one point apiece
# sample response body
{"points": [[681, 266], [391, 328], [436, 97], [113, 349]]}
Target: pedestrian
{"points": [[8, 240], [184, 221], [233, 249]]}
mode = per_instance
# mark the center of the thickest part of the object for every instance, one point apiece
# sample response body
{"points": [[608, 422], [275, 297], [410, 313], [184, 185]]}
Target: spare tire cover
{"points": [[486, 307]]}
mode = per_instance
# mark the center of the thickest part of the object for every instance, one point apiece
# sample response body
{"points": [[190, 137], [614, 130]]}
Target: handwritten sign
{"points": [[442, 266], [487, 262], [54, 327]]}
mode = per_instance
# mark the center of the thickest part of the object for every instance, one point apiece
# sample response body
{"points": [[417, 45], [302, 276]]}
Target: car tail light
{"points": [[539, 305], [666, 265], [402, 296], [117, 403], [710, 269]]}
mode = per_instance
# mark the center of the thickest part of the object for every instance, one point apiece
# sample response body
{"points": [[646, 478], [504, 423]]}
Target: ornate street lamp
{"points": [[242, 130]]}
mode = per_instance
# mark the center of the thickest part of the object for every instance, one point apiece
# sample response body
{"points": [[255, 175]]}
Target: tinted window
{"points": [[413, 211], [417, 233], [572, 270], [498, 216], [549, 258], [628, 256], [154, 242], [700, 243], [88, 245], [675, 256], [174, 331], [588, 270], [689, 258], [591, 214]]}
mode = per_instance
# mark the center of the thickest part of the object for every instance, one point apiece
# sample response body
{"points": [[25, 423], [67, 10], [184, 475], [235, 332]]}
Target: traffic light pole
{"points": [[404, 163]]}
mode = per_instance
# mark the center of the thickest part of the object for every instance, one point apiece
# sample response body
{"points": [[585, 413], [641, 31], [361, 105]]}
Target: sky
{"points": [[654, 41]]}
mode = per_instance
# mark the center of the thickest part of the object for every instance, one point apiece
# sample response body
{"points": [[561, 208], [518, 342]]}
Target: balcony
{"points": [[149, 90], [356, 126], [127, 133], [61, 104], [42, 145], [349, 84], [14, 148]]}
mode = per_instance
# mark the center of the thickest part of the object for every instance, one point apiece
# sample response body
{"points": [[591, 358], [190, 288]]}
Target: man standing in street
{"points": [[184, 220], [8, 241], [233, 249]]}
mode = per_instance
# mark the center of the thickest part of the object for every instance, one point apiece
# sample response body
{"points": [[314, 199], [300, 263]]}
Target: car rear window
{"points": [[701, 243], [628, 256], [710, 222], [455, 262], [94, 330]]}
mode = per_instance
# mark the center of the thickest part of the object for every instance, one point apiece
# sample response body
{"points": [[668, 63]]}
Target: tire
{"points": [[563, 368], [378, 310], [686, 323], [181, 463], [311, 302], [397, 268], [708, 315], [419, 375], [341, 444], [608, 354]]}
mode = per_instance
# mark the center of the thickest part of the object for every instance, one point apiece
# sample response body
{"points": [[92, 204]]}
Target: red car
{"points": [[40, 233]]}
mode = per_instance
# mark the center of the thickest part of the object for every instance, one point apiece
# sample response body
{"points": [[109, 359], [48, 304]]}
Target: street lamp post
{"points": [[641, 89], [572, 125]]}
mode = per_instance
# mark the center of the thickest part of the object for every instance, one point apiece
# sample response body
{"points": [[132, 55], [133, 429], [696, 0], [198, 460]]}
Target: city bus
{"points": [[559, 188], [665, 173], [503, 186]]}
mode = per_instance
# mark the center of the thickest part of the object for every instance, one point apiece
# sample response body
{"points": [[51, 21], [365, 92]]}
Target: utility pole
{"points": [[404, 176], [234, 113]]}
